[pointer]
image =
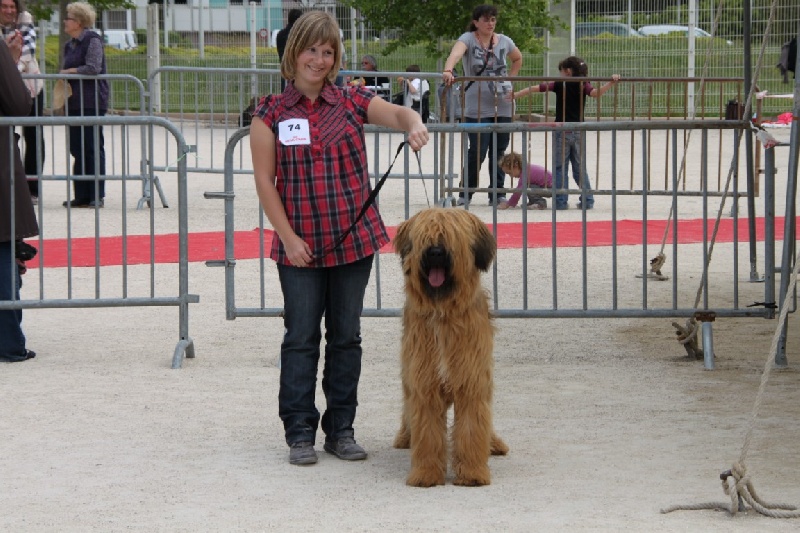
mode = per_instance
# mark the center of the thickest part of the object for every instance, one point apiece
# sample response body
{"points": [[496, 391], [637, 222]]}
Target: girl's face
{"points": [[514, 171], [566, 72], [314, 63]]}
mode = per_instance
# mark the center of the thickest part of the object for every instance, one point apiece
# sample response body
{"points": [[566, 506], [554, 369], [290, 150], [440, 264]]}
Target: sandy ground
{"points": [[607, 420]]}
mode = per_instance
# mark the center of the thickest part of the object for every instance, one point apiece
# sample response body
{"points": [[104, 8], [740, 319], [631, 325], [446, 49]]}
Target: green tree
{"points": [[431, 21]]}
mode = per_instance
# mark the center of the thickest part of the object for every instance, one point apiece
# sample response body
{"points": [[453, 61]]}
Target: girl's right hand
{"points": [[298, 251]]}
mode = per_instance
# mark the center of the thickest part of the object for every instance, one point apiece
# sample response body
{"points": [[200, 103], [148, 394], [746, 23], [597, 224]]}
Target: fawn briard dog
{"points": [[448, 337]]}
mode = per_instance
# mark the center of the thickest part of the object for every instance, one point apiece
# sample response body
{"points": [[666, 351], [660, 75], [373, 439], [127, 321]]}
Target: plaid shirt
{"points": [[324, 184]]}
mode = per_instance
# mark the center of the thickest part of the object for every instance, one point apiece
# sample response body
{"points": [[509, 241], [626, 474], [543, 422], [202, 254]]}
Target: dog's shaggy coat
{"points": [[448, 337]]}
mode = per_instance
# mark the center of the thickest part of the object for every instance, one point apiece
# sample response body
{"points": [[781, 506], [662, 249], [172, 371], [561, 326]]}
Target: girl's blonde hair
{"points": [[511, 160], [312, 28]]}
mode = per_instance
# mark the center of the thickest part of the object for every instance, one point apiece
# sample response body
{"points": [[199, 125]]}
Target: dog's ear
{"points": [[484, 247], [402, 239]]}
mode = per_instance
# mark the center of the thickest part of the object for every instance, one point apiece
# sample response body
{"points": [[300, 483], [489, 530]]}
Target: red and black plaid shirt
{"points": [[323, 185]]}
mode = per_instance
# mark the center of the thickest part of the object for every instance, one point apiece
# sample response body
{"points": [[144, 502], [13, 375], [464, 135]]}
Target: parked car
{"points": [[593, 29], [121, 39], [663, 29]]}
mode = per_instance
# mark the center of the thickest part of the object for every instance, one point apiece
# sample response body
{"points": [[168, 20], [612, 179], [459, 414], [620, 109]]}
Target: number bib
{"points": [[293, 132]]}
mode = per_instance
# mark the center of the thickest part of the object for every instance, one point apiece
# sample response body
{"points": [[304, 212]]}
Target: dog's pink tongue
{"points": [[436, 277]]}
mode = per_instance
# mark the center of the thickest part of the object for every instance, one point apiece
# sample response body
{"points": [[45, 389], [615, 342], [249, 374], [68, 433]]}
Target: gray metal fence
{"points": [[82, 241], [544, 266], [646, 170]]}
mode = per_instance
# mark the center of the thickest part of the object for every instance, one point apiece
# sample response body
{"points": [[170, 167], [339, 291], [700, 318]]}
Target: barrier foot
{"points": [[706, 319], [185, 348], [147, 194]]}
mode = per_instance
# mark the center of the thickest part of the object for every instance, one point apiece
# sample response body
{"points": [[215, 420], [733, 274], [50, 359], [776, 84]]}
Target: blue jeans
{"points": [[12, 340], [567, 149], [479, 145], [338, 292], [82, 146]]}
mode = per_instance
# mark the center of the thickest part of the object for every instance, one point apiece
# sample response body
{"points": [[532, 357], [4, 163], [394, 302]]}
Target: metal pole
{"points": [[748, 144], [253, 78], [789, 229]]}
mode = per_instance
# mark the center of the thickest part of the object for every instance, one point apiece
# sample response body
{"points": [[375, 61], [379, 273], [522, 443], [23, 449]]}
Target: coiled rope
{"points": [[736, 481]]}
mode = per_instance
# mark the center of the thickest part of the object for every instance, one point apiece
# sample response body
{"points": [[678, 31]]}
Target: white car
{"points": [[663, 29], [121, 39]]}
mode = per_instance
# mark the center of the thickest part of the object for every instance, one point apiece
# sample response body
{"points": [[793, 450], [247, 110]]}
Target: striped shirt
{"points": [[27, 62], [324, 183], [28, 31]]}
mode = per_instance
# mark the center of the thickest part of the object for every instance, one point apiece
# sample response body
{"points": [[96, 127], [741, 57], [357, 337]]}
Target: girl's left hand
{"points": [[418, 136]]}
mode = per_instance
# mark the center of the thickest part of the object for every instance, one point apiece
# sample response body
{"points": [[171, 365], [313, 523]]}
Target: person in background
{"points": [[341, 80], [414, 90], [368, 62], [312, 179], [537, 176], [15, 101], [570, 102], [491, 55], [84, 54], [12, 17], [283, 36]]}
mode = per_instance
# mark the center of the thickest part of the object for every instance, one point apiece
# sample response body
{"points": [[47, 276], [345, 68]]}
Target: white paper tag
{"points": [[293, 132]]}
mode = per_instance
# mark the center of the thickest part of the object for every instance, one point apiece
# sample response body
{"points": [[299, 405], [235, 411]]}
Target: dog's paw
{"points": [[475, 477], [472, 481], [421, 478], [402, 441], [497, 446]]}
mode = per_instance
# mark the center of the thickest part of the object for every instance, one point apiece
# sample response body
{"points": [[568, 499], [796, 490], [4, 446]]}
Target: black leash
{"points": [[370, 200]]}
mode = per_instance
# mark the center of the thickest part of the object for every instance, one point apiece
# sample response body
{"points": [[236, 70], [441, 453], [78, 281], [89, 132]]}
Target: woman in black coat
{"points": [[15, 200]]}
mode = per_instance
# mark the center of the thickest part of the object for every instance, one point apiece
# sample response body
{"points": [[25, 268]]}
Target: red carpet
{"points": [[211, 245]]}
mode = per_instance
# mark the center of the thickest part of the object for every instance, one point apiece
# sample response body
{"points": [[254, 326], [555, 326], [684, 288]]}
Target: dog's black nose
{"points": [[435, 256], [435, 252]]}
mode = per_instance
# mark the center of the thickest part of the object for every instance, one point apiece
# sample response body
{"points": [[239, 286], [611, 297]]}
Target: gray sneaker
{"points": [[346, 449], [302, 453]]}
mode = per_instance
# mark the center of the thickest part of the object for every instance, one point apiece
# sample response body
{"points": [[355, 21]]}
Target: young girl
{"points": [[537, 176], [310, 166], [570, 101]]}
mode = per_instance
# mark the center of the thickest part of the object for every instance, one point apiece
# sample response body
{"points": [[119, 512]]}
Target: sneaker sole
{"points": [[304, 461], [354, 457]]}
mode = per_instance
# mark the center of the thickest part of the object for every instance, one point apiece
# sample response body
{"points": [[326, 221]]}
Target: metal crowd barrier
{"points": [[124, 157], [95, 238], [545, 272]]}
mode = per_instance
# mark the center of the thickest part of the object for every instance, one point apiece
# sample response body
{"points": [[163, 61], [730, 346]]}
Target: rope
{"points": [[687, 336], [682, 171], [656, 263], [736, 482], [741, 491]]}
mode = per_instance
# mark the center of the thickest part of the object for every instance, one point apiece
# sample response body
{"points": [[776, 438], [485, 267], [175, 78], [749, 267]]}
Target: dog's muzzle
{"points": [[436, 268]]}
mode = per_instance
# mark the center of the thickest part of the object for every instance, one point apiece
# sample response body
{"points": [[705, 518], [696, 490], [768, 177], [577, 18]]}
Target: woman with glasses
{"points": [[84, 54], [376, 83]]}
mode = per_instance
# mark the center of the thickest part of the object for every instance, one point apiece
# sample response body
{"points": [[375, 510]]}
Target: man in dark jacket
{"points": [[283, 36], [15, 101]]}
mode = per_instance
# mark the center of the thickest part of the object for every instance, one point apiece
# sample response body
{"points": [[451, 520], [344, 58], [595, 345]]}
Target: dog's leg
{"points": [[426, 414], [428, 439], [470, 363], [472, 430], [402, 440], [497, 446]]}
